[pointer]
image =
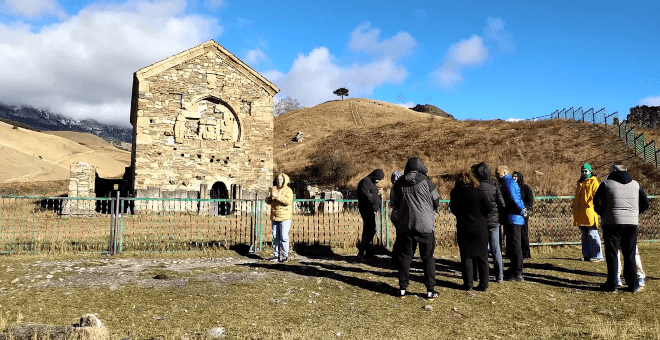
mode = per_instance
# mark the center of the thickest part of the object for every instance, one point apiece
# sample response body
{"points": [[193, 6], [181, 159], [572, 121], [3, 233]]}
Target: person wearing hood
{"points": [[584, 215], [471, 207], [482, 172], [528, 198], [619, 201], [280, 199], [369, 203], [415, 198], [514, 220]]}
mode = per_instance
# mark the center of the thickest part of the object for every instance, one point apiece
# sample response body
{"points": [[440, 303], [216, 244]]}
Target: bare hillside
{"points": [[30, 156], [548, 153]]}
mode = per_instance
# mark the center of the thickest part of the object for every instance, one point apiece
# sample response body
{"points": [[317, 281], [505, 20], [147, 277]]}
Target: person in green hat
{"points": [[584, 215]]}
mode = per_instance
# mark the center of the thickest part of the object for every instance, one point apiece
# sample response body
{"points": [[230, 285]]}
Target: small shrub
{"points": [[330, 169]]}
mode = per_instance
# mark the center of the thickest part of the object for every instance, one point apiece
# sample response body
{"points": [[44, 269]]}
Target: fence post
{"points": [[252, 229], [261, 224], [111, 244], [121, 222]]}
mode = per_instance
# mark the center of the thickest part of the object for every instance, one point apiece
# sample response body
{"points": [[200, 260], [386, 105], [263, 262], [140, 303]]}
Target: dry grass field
{"points": [[391, 134], [328, 296], [29, 156]]}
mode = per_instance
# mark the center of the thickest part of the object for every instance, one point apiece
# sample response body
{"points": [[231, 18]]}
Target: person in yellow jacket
{"points": [[280, 199], [584, 215]]}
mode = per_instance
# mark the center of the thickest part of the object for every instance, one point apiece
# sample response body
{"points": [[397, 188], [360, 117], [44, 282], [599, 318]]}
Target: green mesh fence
{"points": [[639, 144], [57, 224]]}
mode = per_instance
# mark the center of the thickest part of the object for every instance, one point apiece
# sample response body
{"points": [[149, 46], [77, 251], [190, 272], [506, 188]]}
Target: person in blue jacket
{"points": [[514, 221]]}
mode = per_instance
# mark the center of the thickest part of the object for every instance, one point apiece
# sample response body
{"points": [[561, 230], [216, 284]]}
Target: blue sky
{"points": [[473, 59]]}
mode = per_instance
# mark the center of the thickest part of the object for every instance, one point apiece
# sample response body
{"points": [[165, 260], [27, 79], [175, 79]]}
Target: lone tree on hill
{"points": [[342, 91]]}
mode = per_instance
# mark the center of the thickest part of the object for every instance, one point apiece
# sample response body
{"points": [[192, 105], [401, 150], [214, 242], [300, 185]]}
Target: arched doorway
{"points": [[219, 191]]}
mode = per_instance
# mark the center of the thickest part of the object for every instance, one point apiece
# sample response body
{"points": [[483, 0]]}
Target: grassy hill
{"points": [[30, 156], [548, 153]]}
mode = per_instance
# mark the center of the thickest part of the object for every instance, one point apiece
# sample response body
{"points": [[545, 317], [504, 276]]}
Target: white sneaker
{"points": [[619, 283], [641, 282]]}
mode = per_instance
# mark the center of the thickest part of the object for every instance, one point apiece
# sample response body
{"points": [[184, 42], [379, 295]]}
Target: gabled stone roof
{"points": [[209, 46]]}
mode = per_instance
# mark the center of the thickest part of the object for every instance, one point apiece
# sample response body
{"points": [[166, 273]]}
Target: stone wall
{"points": [[82, 179], [648, 116], [201, 117]]}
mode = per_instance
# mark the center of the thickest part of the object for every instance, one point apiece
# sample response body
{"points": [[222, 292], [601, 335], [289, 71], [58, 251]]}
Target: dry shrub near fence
{"points": [[26, 226]]}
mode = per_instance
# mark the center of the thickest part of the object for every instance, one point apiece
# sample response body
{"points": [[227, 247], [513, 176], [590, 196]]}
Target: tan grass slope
{"points": [[28, 156], [391, 134]]}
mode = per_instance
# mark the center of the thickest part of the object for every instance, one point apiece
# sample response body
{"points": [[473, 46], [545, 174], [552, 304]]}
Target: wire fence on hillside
{"points": [[64, 224], [610, 122]]}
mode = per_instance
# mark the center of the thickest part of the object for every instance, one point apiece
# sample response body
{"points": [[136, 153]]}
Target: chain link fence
{"points": [[67, 224]]}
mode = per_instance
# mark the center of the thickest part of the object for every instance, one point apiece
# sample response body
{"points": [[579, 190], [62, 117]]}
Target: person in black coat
{"points": [[528, 199], [482, 172], [369, 203], [471, 206]]}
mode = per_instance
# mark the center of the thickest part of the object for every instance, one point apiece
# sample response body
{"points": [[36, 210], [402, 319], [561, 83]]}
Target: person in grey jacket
{"points": [[619, 200], [415, 198], [482, 172]]}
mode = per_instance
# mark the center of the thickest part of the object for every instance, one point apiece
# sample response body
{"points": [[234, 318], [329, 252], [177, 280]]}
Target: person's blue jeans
{"points": [[281, 237], [591, 243], [494, 245]]}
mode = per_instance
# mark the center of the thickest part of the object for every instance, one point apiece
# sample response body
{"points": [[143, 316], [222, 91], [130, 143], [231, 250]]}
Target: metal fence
{"points": [[646, 150], [66, 224]]}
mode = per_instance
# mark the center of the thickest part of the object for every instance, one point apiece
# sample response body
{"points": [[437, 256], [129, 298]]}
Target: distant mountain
{"points": [[45, 120]]}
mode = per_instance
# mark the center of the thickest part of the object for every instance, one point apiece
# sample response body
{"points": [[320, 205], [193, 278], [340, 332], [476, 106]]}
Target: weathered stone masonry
{"points": [[202, 124]]}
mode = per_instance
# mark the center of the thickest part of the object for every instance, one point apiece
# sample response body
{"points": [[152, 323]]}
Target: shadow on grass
{"points": [[541, 273], [307, 270]]}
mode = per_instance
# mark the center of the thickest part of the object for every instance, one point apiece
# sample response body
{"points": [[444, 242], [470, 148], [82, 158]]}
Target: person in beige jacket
{"points": [[281, 209]]}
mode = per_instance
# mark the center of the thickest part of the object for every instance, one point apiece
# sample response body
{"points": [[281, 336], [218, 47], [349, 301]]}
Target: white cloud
{"points": [[214, 4], [254, 57], [650, 101], [513, 120], [470, 52], [314, 77], [495, 30], [83, 67], [33, 8], [406, 105], [365, 39]]}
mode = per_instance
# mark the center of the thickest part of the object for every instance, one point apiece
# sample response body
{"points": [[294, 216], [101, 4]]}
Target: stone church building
{"points": [[202, 127]]}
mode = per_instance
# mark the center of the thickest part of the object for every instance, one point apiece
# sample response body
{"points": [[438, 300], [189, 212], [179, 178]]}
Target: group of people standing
{"points": [[481, 207]]}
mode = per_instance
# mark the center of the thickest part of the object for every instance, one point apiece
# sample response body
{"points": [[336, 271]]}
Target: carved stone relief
{"points": [[208, 119]]}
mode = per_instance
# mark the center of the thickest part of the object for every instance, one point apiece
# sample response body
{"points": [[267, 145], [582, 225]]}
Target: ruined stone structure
{"points": [[82, 179], [202, 127]]}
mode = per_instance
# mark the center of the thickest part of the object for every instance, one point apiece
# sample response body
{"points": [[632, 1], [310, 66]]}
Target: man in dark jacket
{"points": [[482, 172], [619, 200], [369, 204], [416, 198], [514, 221], [528, 199]]}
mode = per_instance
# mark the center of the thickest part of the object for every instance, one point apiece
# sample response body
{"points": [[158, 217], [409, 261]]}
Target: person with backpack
{"points": [[415, 198]]}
